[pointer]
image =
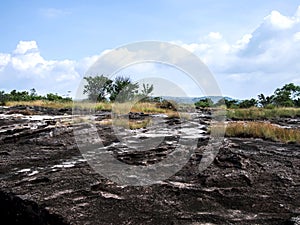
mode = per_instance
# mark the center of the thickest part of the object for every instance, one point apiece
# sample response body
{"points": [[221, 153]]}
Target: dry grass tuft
{"points": [[42, 103], [262, 113], [178, 115], [264, 130], [130, 124]]}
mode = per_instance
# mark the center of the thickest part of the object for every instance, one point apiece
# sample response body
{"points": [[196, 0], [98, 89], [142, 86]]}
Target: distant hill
{"points": [[192, 100]]}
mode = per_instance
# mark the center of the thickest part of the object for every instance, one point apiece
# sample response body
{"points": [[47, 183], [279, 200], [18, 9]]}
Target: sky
{"points": [[250, 47]]}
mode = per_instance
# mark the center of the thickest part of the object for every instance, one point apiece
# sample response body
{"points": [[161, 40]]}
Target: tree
{"points": [[146, 92], [297, 102], [204, 103], [3, 97], [286, 96], [220, 102], [56, 97], [97, 87], [265, 101], [231, 103], [33, 95], [123, 89], [18, 96], [147, 89], [248, 103]]}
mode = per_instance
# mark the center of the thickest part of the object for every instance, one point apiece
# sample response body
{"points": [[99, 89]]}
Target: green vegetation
{"points": [[25, 96], [204, 103], [287, 96], [97, 88], [120, 94], [121, 89]]}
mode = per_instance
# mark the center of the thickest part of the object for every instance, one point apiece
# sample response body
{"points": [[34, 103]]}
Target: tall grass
{"points": [[262, 113], [142, 107], [100, 106], [264, 130], [41, 103]]}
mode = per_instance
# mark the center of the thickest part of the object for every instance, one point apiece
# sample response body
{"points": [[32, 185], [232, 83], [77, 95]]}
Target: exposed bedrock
{"points": [[44, 178]]}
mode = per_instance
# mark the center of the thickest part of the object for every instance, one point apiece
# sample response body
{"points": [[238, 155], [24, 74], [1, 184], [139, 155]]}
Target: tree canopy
{"points": [[121, 89], [15, 95], [97, 87], [286, 96]]}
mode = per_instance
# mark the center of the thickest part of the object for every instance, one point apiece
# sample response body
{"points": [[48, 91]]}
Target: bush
{"points": [[204, 103], [3, 98]]}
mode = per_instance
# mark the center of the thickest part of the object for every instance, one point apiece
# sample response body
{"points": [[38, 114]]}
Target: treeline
{"points": [[287, 96], [30, 96], [120, 89]]}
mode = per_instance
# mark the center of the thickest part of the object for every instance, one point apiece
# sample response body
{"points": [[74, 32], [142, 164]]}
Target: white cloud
{"points": [[215, 35], [269, 54], [4, 60], [26, 46], [242, 43], [279, 21], [25, 68]]}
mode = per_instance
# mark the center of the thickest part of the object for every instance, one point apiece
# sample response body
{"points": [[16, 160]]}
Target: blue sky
{"points": [[251, 47]]}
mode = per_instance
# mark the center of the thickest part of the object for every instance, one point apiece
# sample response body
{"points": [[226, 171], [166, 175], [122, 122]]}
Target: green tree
{"points": [[220, 102], [3, 98], [146, 92], [204, 103], [56, 97], [123, 89], [33, 95], [287, 96], [248, 103], [297, 102], [231, 104], [18, 96], [265, 101], [97, 87]]}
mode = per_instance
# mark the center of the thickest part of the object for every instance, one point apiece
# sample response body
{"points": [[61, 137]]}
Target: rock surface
{"points": [[46, 180]]}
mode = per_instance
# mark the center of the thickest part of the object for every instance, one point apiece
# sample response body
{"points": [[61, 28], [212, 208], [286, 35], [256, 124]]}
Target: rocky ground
{"points": [[46, 180]]}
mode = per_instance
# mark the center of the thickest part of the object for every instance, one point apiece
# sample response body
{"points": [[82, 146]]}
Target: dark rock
{"points": [[294, 221], [4, 153], [251, 181], [102, 116], [40, 180], [16, 211], [137, 116]]}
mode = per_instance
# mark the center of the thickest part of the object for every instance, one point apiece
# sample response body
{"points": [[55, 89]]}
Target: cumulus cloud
{"points": [[280, 21], [25, 68], [4, 60], [265, 58], [25, 46]]}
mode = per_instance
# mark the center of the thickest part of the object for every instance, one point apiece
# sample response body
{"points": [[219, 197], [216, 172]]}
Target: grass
{"points": [[127, 124], [178, 115], [151, 108], [42, 103], [262, 113], [119, 108], [264, 130]]}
